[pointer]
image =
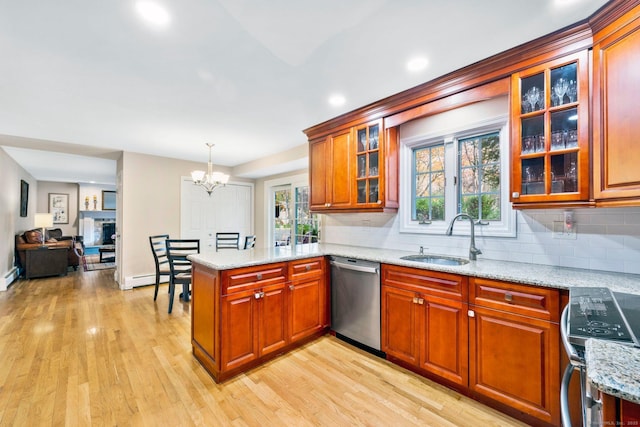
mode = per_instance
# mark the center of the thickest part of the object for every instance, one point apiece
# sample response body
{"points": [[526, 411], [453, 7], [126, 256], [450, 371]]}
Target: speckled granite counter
{"points": [[613, 368], [530, 274]]}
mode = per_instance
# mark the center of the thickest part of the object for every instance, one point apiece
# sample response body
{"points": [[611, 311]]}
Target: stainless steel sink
{"points": [[436, 259]]}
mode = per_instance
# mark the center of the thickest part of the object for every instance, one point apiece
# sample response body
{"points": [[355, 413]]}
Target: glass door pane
{"points": [[283, 216], [307, 224]]}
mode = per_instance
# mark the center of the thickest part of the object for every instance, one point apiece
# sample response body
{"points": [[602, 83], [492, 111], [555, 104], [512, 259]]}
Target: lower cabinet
{"points": [[498, 342], [514, 347], [424, 321], [256, 322], [245, 316], [619, 412]]}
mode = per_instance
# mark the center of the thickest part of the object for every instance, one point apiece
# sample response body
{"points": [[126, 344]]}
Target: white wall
{"points": [[607, 239], [10, 221], [46, 187]]}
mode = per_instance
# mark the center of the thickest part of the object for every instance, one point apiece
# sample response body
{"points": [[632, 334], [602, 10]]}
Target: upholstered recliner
{"points": [[33, 239]]}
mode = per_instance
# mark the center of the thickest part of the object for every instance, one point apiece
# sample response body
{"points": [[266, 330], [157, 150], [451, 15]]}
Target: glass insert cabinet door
{"points": [[368, 141], [550, 132]]}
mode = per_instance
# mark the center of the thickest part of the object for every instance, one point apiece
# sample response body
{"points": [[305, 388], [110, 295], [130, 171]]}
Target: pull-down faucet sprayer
{"points": [[473, 251]]}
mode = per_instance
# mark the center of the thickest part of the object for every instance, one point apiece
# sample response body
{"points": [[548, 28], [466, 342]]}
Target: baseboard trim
{"points": [[141, 280], [11, 276]]}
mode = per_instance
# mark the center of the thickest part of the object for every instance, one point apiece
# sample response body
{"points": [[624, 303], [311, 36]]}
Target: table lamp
{"points": [[43, 220]]}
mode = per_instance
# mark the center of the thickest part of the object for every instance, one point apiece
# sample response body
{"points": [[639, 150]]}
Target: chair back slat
{"points": [[227, 241], [177, 252]]}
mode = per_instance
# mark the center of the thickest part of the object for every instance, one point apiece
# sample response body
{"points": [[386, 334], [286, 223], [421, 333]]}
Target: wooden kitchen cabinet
{"points": [[243, 317], [354, 170], [619, 412], [254, 321], [308, 298], [550, 134], [424, 322], [514, 347], [331, 172], [616, 118]]}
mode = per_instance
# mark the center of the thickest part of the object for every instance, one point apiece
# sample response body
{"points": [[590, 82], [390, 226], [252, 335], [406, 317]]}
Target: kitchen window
{"points": [[463, 169]]}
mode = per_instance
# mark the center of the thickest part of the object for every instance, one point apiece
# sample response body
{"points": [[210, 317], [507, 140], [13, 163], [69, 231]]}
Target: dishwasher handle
{"points": [[361, 268]]}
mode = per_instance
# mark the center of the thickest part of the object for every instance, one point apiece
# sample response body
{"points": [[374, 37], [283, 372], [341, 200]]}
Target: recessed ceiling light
{"points": [[337, 100], [418, 63], [153, 13]]}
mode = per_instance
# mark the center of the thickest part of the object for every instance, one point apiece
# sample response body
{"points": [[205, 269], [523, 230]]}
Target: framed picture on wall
{"points": [[59, 207], [24, 198], [108, 200]]}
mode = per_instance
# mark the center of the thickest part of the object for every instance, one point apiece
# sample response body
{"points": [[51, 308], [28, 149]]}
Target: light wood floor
{"points": [[78, 351]]}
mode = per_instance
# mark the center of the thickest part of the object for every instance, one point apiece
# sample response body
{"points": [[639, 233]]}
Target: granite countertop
{"points": [[516, 272], [613, 368]]}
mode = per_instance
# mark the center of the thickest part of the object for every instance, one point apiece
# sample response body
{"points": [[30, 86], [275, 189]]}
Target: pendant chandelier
{"points": [[211, 179]]}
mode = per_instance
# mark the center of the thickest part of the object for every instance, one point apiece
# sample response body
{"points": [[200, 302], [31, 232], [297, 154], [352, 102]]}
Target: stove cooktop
{"points": [[599, 313]]}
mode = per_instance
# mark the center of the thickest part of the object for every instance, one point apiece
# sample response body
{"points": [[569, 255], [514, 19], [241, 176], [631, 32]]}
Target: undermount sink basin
{"points": [[436, 259]]}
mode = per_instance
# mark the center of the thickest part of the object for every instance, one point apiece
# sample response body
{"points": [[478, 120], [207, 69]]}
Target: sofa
{"points": [[32, 239]]}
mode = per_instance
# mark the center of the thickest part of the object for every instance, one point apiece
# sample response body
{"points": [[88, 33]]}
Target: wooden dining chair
{"points": [[227, 241], [177, 252], [159, 250], [249, 242]]}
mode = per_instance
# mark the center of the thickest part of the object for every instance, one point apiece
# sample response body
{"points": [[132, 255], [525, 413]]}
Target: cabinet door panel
{"points": [[341, 171], [306, 308], [515, 360], [240, 338], [616, 120], [399, 324], [444, 343], [318, 174], [271, 320]]}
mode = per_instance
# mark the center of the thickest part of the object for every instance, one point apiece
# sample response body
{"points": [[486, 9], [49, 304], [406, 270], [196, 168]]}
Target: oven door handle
{"points": [[565, 415], [574, 358]]}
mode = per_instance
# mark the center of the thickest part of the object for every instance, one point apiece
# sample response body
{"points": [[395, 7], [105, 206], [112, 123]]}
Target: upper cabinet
{"points": [[616, 117], [550, 133], [350, 170]]}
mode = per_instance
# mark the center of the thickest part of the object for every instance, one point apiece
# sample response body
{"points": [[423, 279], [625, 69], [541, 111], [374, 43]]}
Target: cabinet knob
{"points": [[259, 276], [307, 267], [471, 313], [291, 287], [328, 205], [420, 301], [515, 195], [379, 202], [508, 297], [258, 295], [415, 300]]}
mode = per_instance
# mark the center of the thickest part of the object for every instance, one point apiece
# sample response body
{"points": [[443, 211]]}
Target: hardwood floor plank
{"points": [[76, 350]]}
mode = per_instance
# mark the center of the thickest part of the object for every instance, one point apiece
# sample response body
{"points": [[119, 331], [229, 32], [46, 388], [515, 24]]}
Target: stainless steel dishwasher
{"points": [[355, 302]]}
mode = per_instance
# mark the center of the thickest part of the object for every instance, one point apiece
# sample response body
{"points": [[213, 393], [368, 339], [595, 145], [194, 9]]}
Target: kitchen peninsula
{"points": [[251, 306]]}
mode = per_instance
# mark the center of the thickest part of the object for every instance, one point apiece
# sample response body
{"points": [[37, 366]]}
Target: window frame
{"points": [[506, 227]]}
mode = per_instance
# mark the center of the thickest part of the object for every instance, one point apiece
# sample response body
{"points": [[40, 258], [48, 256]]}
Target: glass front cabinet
{"points": [[368, 167], [550, 133]]}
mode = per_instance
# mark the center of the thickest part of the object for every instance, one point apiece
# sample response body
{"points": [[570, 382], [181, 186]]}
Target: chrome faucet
{"points": [[473, 251]]}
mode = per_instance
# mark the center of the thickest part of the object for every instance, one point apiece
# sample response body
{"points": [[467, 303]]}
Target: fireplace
{"points": [[108, 230]]}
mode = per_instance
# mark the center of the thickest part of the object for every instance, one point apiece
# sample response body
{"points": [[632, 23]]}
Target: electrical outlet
{"points": [[561, 231]]}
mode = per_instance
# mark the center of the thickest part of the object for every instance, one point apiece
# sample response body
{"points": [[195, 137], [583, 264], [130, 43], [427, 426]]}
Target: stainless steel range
{"points": [[594, 312]]}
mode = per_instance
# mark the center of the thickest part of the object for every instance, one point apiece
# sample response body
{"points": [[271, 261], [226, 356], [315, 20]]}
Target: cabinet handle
{"points": [[328, 205], [259, 276], [415, 300], [379, 202], [471, 313], [515, 195], [307, 267], [508, 297], [291, 287], [258, 295], [420, 301]]}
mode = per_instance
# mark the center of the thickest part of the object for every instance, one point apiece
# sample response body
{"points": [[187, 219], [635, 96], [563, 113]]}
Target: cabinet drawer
{"points": [[242, 279], [538, 302], [306, 268], [446, 285]]}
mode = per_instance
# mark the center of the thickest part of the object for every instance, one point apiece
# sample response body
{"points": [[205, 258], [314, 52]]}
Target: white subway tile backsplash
{"points": [[607, 239]]}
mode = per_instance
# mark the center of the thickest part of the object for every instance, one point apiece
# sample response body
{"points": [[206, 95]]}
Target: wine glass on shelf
{"points": [[572, 91], [533, 96], [560, 89]]}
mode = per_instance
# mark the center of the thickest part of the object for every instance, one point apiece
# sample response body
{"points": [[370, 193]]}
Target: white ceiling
{"points": [[247, 75]]}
